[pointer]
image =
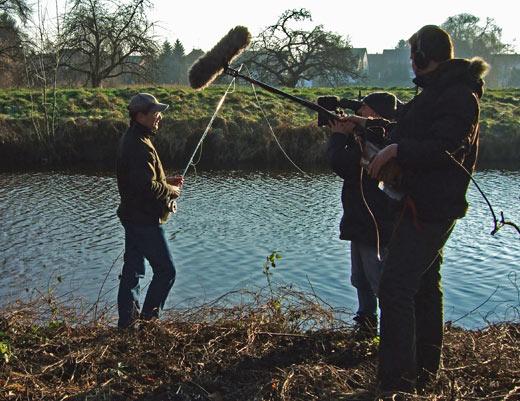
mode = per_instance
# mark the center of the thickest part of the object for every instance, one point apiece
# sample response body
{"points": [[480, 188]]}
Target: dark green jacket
{"points": [[141, 180]]}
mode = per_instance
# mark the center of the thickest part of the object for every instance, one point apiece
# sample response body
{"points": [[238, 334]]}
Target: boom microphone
{"points": [[217, 60], [212, 64]]}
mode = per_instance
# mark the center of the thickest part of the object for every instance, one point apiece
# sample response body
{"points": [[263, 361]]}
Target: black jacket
{"points": [[443, 118], [356, 224], [141, 180]]}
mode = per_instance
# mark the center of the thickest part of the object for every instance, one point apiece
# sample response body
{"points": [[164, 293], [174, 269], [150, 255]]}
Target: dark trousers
{"points": [[411, 302], [144, 242]]}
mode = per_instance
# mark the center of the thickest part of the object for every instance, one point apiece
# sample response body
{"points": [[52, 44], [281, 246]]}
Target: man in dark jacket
{"points": [[147, 197], [436, 133], [368, 235]]}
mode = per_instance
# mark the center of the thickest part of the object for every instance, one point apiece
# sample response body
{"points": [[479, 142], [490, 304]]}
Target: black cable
{"points": [[378, 241], [498, 225]]}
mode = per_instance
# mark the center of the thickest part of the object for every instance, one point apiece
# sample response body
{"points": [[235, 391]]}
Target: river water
{"points": [[59, 231]]}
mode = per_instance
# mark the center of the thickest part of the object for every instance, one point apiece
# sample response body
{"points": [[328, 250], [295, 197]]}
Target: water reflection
{"points": [[64, 224]]}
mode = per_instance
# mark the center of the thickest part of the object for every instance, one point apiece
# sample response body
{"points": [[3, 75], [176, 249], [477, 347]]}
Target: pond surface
{"points": [[59, 231]]}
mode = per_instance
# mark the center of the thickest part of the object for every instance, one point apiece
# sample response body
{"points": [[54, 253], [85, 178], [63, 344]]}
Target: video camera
{"points": [[390, 177], [334, 104]]}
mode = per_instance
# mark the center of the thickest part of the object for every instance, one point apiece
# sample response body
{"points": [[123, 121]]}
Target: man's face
{"points": [[432, 65], [415, 69], [366, 111], [150, 120]]}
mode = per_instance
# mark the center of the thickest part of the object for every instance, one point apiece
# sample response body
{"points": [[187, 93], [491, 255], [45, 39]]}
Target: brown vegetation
{"points": [[275, 346], [231, 144]]}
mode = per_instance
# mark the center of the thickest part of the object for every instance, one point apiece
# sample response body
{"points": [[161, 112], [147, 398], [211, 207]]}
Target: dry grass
{"points": [[280, 345]]}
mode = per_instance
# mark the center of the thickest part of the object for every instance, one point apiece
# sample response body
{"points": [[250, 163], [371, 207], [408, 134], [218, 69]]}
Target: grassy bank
{"points": [[275, 345], [82, 126]]}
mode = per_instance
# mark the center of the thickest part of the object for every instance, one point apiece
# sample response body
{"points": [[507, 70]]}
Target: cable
{"points": [[376, 226], [498, 225], [206, 131], [271, 129]]}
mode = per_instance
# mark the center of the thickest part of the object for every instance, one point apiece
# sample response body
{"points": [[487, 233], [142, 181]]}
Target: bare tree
{"points": [[108, 38], [285, 55], [41, 60]]}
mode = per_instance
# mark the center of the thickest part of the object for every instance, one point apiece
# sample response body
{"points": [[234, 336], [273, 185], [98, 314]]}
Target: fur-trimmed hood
{"points": [[457, 70]]}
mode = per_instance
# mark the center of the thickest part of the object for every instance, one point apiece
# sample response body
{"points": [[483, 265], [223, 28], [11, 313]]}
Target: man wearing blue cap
{"points": [[147, 198]]}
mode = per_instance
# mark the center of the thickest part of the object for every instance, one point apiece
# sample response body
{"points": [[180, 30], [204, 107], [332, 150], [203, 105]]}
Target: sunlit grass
{"points": [[498, 105], [61, 129]]}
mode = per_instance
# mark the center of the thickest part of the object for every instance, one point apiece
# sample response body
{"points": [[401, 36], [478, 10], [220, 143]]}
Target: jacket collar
{"points": [[454, 71], [141, 130]]}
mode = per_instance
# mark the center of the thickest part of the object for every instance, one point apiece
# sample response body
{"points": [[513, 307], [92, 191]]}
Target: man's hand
{"points": [[382, 157], [176, 192], [342, 126], [175, 181], [361, 121]]}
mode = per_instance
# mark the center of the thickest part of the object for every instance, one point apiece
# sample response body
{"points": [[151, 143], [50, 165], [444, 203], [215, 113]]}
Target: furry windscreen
{"points": [[211, 64]]}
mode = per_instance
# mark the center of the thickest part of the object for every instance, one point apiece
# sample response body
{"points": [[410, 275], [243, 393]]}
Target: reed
{"points": [[275, 344]]}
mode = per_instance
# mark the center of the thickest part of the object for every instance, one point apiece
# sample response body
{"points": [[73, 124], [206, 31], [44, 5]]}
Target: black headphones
{"points": [[419, 57]]}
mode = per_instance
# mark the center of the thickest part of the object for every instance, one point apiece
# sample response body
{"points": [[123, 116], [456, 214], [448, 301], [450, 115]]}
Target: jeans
{"points": [[365, 275], [144, 241], [411, 303]]}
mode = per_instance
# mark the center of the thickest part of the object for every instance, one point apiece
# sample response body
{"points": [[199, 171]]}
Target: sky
{"points": [[375, 24]]}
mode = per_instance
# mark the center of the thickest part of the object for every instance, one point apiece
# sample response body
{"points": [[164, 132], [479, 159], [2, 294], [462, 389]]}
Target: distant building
{"points": [[192, 56], [390, 68], [361, 57], [393, 68]]}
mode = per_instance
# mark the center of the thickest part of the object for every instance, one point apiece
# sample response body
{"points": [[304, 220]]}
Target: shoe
{"points": [[395, 395], [423, 381], [391, 396], [147, 324], [366, 326], [126, 325]]}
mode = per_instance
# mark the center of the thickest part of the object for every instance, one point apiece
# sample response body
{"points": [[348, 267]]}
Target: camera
{"points": [[334, 104]]}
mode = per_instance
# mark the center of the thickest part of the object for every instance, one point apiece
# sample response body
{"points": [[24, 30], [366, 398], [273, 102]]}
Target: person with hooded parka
{"points": [[435, 142]]}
